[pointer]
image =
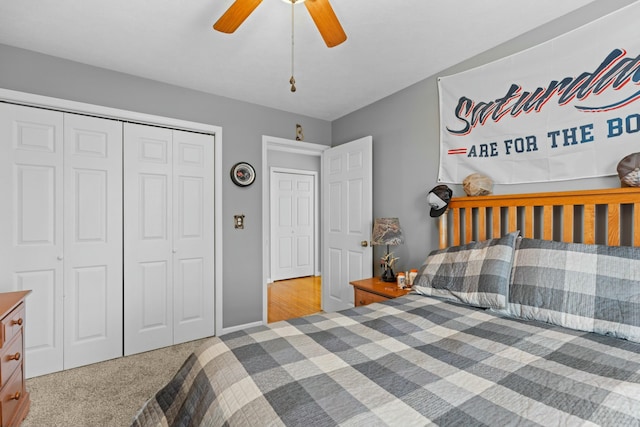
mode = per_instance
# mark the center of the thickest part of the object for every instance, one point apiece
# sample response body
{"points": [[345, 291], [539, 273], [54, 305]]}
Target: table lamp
{"points": [[387, 231]]}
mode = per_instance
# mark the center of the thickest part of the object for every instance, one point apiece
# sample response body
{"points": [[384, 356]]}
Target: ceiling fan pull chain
{"points": [[292, 81]]}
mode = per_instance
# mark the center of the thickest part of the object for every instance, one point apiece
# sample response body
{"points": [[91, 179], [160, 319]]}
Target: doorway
{"points": [[288, 299], [285, 153], [294, 224]]}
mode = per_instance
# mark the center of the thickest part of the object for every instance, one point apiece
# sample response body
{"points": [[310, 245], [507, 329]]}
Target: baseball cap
{"points": [[439, 198]]}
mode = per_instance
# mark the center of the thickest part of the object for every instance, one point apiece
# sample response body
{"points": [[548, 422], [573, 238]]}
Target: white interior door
{"points": [[169, 237], [347, 220], [193, 236], [148, 220], [92, 240], [293, 224], [31, 226]]}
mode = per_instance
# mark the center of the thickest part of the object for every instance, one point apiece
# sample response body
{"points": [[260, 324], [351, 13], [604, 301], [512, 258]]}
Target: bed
{"points": [[527, 314]]}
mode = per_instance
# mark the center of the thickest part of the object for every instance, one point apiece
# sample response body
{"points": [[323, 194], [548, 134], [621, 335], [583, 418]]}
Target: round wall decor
{"points": [[243, 174]]}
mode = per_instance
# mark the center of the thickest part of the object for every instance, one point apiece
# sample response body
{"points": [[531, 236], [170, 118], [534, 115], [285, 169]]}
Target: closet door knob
{"points": [[60, 257]]}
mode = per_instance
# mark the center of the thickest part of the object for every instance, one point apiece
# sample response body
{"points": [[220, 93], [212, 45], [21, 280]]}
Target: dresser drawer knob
{"points": [[15, 396], [14, 356], [17, 322]]}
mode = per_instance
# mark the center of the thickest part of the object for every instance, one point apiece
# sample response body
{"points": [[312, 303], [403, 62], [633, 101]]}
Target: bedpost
{"points": [[442, 228]]}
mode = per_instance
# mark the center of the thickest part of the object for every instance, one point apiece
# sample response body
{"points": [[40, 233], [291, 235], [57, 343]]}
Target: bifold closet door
{"points": [[193, 236], [169, 240], [31, 226], [92, 240], [61, 233], [148, 215]]}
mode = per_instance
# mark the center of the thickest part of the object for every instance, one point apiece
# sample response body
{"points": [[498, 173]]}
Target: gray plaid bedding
{"points": [[410, 361]]}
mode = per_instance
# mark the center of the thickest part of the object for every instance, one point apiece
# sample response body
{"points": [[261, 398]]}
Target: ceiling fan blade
{"points": [[326, 21], [235, 15]]}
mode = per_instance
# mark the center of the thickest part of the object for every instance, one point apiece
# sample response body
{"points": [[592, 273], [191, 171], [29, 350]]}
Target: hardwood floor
{"points": [[293, 298]]}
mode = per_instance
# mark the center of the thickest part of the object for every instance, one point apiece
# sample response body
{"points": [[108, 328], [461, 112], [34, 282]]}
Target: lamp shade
{"points": [[387, 231]]}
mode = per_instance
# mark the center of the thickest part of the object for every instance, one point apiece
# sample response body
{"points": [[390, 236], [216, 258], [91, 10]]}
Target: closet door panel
{"points": [[93, 240], [148, 253], [193, 236], [31, 226]]}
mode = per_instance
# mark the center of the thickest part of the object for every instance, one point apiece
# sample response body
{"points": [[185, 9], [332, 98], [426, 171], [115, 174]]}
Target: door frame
{"points": [[316, 216], [271, 144], [32, 100]]}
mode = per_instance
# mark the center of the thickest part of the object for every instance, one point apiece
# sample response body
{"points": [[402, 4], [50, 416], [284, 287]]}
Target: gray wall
{"points": [[405, 130], [243, 126]]}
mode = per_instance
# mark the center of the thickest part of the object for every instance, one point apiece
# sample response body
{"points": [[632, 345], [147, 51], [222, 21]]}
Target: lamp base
{"points": [[388, 276]]}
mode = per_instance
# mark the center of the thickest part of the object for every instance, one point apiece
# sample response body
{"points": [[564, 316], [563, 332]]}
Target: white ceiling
{"points": [[391, 44]]}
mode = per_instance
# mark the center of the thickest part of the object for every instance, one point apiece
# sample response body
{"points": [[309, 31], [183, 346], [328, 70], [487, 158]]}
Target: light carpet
{"points": [[103, 394]]}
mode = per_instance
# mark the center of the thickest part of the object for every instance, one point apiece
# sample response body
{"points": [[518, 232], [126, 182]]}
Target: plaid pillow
{"points": [[476, 273], [593, 288]]}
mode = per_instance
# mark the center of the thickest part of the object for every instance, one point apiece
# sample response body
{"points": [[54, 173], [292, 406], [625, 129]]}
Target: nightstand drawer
{"points": [[367, 291], [364, 298]]}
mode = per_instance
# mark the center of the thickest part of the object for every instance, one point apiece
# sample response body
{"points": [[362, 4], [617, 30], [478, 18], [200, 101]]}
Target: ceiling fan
{"points": [[320, 10]]}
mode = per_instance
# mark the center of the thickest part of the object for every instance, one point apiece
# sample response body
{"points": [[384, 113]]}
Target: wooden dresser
{"points": [[14, 398]]}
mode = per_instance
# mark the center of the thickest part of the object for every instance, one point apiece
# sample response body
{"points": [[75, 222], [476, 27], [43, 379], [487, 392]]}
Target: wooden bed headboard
{"points": [[608, 216]]}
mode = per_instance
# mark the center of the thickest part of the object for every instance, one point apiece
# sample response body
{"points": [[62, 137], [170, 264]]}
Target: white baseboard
{"points": [[239, 327]]}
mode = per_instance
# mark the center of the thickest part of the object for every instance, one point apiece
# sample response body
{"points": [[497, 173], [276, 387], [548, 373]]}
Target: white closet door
{"points": [[292, 225], [31, 224], [193, 232], [148, 220], [93, 240]]}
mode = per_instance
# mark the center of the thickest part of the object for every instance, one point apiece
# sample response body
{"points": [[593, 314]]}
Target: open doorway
{"points": [[290, 298], [282, 154], [293, 200]]}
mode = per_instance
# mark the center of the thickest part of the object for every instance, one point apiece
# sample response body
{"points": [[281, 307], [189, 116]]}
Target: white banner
{"points": [[565, 109]]}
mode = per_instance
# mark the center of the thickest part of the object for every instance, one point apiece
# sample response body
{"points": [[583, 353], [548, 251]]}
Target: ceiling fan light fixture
{"points": [[320, 10], [321, 13]]}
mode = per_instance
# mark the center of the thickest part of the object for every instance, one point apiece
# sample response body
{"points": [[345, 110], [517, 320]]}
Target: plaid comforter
{"points": [[410, 361]]}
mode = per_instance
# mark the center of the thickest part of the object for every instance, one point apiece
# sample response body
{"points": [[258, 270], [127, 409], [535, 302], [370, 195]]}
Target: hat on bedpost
{"points": [[477, 185], [439, 198], [629, 170]]}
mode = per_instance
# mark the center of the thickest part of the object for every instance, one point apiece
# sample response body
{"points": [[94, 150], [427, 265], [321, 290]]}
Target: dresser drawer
{"points": [[11, 398], [363, 298], [14, 398], [12, 324], [10, 358]]}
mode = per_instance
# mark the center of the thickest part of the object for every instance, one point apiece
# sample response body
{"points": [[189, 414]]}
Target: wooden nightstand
{"points": [[371, 290]]}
